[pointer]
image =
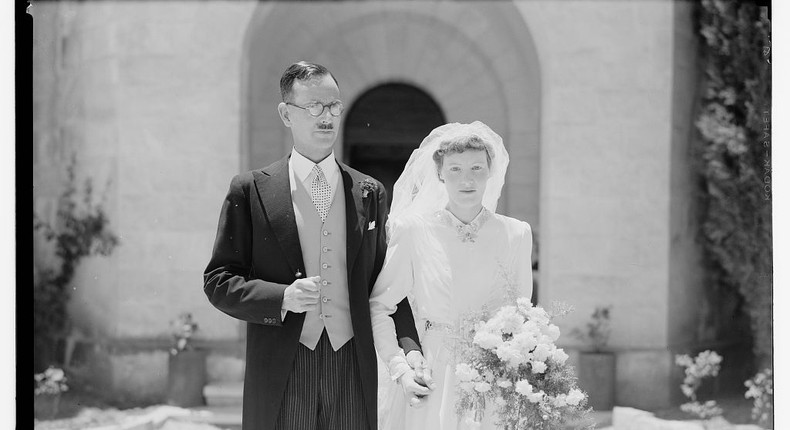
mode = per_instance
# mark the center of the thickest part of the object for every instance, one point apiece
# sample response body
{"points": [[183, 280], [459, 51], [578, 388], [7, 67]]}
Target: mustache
{"points": [[325, 126]]}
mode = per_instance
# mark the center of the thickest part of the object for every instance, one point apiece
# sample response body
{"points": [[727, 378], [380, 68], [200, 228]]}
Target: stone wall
{"points": [[616, 193], [146, 94]]}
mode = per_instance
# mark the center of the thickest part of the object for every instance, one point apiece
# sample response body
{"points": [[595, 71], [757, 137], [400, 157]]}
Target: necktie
{"points": [[320, 192]]}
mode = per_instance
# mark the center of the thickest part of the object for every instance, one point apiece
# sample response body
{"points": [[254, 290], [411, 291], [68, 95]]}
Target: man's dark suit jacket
{"points": [[257, 255]]}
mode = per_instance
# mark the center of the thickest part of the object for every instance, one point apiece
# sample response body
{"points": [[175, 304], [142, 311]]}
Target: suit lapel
{"points": [[274, 191], [355, 215]]}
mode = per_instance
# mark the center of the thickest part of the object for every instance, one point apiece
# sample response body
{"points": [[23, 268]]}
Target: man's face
{"points": [[313, 136]]}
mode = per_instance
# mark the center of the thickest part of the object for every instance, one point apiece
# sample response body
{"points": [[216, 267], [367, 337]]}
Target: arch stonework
{"points": [[477, 60]]}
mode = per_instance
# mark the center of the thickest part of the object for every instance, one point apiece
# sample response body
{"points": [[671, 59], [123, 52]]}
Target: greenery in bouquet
{"points": [[510, 361]]}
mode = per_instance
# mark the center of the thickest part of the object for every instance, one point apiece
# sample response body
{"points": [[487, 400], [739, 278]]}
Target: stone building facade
{"points": [[163, 102]]}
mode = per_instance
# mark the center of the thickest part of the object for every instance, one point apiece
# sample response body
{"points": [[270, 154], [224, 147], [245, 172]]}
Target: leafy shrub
{"points": [[733, 155], [80, 229]]}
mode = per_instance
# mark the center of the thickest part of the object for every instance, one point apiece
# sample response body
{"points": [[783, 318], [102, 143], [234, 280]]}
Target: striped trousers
{"points": [[324, 390]]}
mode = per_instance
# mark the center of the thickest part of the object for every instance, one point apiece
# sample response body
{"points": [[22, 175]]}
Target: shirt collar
{"points": [[303, 167]]}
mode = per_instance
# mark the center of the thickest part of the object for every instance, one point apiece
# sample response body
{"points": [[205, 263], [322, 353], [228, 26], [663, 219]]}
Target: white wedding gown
{"points": [[447, 269]]}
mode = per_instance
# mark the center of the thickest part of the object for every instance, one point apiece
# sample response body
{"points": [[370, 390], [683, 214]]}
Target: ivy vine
{"points": [[734, 158]]}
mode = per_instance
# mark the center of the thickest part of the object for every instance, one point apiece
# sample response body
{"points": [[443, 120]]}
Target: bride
{"points": [[451, 254]]}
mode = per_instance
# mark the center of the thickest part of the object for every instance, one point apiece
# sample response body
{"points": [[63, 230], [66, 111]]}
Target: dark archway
{"points": [[384, 125]]}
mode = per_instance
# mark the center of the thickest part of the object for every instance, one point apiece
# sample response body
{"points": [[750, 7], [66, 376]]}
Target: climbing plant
{"points": [[80, 229], [733, 155]]}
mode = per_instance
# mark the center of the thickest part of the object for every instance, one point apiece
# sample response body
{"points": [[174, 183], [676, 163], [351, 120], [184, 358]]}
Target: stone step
{"points": [[224, 399], [219, 417], [222, 394]]}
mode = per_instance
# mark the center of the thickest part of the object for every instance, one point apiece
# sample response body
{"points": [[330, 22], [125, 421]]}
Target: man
{"points": [[298, 248]]}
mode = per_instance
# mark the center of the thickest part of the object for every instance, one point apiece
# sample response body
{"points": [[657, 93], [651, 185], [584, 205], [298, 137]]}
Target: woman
{"points": [[452, 255]]}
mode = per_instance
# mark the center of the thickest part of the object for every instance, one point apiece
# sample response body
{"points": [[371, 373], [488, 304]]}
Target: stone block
{"points": [[224, 368], [140, 376], [572, 106], [644, 378], [624, 418]]}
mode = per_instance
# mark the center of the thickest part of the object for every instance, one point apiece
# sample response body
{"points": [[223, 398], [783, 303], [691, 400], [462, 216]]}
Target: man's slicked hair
{"points": [[303, 70]]}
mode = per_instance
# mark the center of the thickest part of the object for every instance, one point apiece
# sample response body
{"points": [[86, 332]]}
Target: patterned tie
{"points": [[320, 192]]}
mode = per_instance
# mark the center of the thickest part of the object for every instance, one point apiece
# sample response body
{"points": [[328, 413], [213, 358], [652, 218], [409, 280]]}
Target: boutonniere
{"points": [[367, 186]]}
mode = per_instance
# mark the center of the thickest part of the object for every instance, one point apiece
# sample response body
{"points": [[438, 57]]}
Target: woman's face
{"points": [[465, 176]]}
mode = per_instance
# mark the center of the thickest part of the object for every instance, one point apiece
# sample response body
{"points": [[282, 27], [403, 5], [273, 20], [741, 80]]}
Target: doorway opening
{"points": [[384, 125]]}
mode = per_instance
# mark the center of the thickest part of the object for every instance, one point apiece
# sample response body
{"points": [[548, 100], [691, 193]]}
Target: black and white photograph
{"points": [[402, 215]]}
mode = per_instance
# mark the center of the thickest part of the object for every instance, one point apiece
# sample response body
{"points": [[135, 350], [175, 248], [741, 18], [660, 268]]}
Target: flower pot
{"points": [[186, 378], [597, 378], [46, 406]]}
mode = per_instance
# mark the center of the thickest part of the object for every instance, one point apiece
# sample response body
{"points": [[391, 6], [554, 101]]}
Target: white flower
{"points": [[487, 340], [574, 397], [542, 352], [523, 387], [465, 372], [559, 356], [545, 340], [504, 383], [482, 387], [536, 397], [508, 353], [538, 367], [683, 360], [552, 331], [511, 322], [560, 401], [538, 315], [525, 341]]}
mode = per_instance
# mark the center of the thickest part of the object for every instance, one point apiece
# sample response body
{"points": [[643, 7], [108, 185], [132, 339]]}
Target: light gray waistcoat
{"points": [[324, 252]]}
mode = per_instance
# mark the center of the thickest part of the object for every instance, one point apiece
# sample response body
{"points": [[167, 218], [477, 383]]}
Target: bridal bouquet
{"points": [[509, 361]]}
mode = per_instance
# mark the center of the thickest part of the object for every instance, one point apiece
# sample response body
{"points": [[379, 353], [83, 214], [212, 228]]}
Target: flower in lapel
{"points": [[367, 186]]}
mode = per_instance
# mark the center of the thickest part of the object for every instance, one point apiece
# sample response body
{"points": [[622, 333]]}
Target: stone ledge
{"points": [[224, 393], [624, 418]]}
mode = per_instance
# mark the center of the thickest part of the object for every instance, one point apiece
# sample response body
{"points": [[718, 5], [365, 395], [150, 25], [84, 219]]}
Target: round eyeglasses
{"points": [[316, 109]]}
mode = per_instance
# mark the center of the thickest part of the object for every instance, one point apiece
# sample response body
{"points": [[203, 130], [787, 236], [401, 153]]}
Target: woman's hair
{"points": [[460, 144]]}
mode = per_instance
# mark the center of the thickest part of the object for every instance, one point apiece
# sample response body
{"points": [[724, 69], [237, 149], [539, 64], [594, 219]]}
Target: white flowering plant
{"points": [[183, 328], [50, 384], [52, 381], [510, 361], [705, 365], [761, 389]]}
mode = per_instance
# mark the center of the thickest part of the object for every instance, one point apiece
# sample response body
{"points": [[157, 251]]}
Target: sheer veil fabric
{"points": [[418, 190]]}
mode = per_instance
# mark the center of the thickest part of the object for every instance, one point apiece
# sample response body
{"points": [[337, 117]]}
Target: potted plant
{"points": [[187, 365], [597, 364], [50, 384]]}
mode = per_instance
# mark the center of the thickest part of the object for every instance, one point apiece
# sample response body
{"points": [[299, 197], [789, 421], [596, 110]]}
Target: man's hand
{"points": [[415, 391], [302, 296], [422, 371]]}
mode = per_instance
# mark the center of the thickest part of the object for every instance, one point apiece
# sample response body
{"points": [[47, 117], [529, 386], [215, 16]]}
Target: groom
{"points": [[298, 248]]}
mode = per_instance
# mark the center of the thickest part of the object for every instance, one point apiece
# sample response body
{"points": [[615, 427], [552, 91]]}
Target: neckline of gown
{"points": [[467, 232]]}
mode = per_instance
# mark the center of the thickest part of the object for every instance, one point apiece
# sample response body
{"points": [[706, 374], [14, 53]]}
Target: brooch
{"points": [[367, 186]]}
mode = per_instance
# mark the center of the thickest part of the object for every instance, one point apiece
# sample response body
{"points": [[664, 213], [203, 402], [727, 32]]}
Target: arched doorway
{"points": [[384, 125]]}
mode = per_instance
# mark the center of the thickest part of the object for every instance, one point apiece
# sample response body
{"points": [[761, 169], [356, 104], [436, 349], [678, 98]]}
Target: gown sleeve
{"points": [[393, 284], [524, 262]]}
